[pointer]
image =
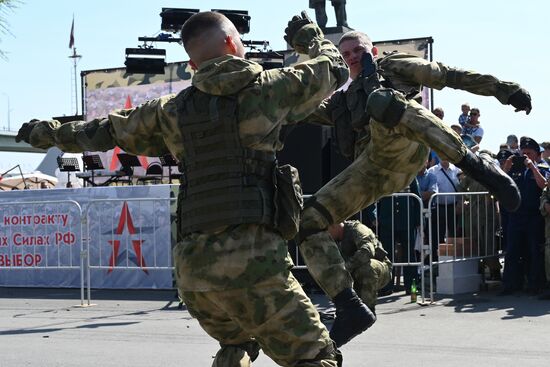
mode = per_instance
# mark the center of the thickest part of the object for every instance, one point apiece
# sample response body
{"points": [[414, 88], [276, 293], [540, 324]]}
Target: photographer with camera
{"points": [[526, 225]]}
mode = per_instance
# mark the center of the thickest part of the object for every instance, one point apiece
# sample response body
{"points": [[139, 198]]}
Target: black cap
{"points": [[528, 143], [504, 154]]}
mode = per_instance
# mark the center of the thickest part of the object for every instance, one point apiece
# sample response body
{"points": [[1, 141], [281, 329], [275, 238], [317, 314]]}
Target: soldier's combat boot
{"points": [[484, 170], [352, 317]]}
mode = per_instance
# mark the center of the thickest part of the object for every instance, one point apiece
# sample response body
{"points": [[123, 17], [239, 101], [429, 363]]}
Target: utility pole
{"points": [[9, 109], [75, 58]]}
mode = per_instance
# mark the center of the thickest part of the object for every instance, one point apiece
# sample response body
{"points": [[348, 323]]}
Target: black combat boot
{"points": [[484, 170], [352, 317]]}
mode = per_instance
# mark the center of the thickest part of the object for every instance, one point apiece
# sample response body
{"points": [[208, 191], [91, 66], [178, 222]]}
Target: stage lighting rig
{"points": [[239, 18], [173, 18], [145, 60], [268, 59]]}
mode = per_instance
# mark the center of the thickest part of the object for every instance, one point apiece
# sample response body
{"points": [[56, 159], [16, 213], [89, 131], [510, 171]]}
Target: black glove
{"points": [[521, 100], [368, 64], [24, 132], [295, 24]]}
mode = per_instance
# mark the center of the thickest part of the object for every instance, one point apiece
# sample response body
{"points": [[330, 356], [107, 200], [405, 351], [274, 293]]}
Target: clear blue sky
{"points": [[508, 39]]}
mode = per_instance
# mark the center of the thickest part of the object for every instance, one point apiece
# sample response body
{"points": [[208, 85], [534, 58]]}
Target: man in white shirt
{"points": [[446, 174]]}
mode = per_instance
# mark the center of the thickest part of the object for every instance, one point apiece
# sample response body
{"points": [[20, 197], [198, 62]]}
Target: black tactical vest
{"points": [[225, 184], [352, 136]]}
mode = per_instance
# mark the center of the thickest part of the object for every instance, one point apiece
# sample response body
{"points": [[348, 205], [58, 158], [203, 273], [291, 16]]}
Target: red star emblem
{"points": [[126, 221]]}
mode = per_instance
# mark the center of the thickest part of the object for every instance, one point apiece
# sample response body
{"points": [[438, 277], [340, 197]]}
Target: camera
{"points": [[518, 165]]}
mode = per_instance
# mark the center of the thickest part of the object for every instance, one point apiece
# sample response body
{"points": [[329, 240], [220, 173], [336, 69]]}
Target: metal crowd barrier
{"points": [[402, 251], [463, 227], [143, 222], [42, 235], [473, 223]]}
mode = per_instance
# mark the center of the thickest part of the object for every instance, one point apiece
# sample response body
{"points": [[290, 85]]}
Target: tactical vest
{"points": [[225, 184], [357, 131]]}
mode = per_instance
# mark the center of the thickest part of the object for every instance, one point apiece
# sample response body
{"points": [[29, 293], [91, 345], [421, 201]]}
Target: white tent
{"points": [[34, 180]]}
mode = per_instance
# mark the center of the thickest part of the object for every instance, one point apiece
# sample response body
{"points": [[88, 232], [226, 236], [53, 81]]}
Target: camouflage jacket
{"points": [[267, 100], [359, 244], [405, 73]]}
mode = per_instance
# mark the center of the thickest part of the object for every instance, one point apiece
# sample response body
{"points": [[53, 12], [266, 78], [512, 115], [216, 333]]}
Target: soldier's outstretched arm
{"points": [[300, 89], [438, 75], [137, 130]]}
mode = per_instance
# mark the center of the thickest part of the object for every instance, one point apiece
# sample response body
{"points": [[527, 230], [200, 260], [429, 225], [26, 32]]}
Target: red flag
{"points": [[71, 38], [128, 103], [114, 160]]}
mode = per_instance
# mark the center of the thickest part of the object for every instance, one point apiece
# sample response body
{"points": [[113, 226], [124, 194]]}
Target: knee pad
{"points": [[315, 218], [386, 106]]}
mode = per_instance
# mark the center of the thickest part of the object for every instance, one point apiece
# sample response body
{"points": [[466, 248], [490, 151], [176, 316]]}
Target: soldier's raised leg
{"points": [[418, 124]]}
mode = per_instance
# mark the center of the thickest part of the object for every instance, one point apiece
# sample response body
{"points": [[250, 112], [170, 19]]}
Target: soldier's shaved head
{"points": [[208, 35]]}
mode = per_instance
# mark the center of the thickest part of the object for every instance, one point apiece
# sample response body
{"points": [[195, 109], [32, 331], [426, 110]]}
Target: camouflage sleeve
{"points": [[299, 90], [137, 130], [359, 235], [437, 75]]}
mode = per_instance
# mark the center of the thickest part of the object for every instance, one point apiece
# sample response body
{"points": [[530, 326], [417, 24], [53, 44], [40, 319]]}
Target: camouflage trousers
{"points": [[389, 163], [275, 313], [369, 276]]}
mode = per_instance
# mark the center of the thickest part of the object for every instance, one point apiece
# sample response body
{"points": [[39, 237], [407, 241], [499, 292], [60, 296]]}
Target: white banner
{"points": [[129, 237]]}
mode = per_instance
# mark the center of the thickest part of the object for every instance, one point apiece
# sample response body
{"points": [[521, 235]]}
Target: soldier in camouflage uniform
{"points": [[378, 121], [365, 258], [545, 211], [231, 259]]}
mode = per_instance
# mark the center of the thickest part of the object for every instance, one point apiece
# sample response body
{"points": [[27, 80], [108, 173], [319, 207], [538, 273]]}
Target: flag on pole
{"points": [[71, 38]]}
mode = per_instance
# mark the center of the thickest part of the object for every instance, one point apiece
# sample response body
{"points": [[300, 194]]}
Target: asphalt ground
{"points": [[41, 327]]}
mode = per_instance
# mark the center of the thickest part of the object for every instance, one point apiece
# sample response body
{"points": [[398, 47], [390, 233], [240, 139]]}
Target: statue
{"points": [[321, 14]]}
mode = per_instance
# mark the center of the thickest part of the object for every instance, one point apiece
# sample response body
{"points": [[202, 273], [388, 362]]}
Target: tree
{"points": [[5, 7]]}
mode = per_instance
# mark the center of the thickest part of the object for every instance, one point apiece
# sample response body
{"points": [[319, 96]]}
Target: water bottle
{"points": [[413, 291]]}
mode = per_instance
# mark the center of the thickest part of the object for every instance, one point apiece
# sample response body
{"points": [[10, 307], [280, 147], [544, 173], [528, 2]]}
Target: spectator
{"points": [[438, 111], [502, 156], [480, 224], [526, 225], [457, 128], [472, 127], [463, 118], [427, 185], [512, 142], [433, 158], [545, 153], [545, 211], [446, 175], [398, 220]]}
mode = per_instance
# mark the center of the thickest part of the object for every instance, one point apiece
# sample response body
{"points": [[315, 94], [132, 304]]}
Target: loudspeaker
{"points": [[305, 147], [312, 150]]}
